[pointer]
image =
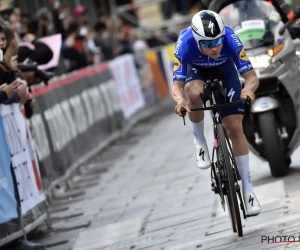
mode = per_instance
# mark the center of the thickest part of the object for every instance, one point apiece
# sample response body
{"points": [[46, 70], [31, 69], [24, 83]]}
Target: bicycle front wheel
{"points": [[233, 205]]}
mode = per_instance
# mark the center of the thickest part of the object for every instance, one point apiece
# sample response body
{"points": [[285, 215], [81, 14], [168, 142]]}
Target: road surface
{"points": [[145, 192]]}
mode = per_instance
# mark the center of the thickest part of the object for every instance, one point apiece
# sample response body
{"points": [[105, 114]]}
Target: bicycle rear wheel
{"points": [[233, 205]]}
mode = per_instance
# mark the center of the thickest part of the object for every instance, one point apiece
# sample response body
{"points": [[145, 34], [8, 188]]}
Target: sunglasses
{"points": [[211, 43]]}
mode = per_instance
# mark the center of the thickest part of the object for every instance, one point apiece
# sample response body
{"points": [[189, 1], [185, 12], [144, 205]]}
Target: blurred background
{"points": [[99, 30]]}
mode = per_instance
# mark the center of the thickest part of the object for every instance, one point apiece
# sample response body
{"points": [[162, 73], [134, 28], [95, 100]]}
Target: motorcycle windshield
{"points": [[253, 21]]}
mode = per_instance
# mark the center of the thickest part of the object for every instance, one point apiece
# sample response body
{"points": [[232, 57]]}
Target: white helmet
{"points": [[207, 25]]}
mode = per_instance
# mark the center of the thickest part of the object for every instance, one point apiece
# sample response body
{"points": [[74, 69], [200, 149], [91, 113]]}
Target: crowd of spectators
{"points": [[83, 43]]}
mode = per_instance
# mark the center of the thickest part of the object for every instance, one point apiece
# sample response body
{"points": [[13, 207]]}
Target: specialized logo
{"points": [[211, 27], [202, 154], [251, 199], [243, 56], [195, 70], [177, 64], [231, 94]]}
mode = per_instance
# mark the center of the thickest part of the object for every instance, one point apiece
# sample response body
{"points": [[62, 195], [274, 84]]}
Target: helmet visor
{"points": [[211, 43]]}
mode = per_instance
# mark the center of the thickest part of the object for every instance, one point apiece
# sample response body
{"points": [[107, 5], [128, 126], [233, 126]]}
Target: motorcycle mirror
{"points": [[297, 12], [291, 22], [295, 31], [295, 28]]}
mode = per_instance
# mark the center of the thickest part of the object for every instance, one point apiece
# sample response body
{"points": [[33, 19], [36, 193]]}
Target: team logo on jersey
{"points": [[245, 69], [237, 40], [243, 56], [177, 46], [177, 64]]}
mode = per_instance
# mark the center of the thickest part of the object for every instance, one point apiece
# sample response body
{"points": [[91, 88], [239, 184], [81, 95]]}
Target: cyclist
{"points": [[208, 48]]}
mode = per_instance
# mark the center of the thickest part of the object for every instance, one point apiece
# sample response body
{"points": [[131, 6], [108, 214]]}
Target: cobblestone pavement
{"points": [[145, 192]]}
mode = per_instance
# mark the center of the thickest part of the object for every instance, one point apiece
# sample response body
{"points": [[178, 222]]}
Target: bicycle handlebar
{"points": [[215, 107]]}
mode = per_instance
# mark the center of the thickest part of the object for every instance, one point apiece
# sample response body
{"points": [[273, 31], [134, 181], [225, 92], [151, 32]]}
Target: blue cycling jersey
{"points": [[187, 52]]}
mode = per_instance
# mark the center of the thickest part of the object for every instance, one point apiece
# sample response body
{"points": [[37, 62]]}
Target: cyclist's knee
{"points": [[234, 127], [193, 90]]}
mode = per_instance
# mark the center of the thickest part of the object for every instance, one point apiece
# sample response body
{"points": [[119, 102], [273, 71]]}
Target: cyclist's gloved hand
{"points": [[246, 93], [182, 104]]}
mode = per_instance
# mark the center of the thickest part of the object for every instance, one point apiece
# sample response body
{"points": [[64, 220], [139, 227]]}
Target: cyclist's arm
{"points": [[178, 91], [179, 76], [251, 81], [245, 69]]}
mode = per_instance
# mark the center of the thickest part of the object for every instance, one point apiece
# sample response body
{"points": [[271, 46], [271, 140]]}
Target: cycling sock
{"points": [[198, 131], [242, 163]]}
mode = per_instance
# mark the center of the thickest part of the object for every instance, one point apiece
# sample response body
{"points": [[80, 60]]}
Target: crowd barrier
{"points": [[73, 114], [22, 204]]}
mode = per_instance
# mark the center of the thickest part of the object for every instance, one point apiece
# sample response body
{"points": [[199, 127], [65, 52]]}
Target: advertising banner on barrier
{"points": [[128, 84], [145, 77], [25, 168], [72, 116], [8, 203], [169, 60], [155, 61], [170, 52]]}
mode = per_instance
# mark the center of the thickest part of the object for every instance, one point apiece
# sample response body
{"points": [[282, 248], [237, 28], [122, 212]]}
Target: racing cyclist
{"points": [[208, 48]]}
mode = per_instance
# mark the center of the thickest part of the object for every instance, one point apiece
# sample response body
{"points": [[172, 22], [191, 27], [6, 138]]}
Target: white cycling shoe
{"points": [[251, 203], [202, 156]]}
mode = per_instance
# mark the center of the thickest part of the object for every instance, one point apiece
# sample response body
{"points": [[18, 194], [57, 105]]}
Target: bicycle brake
{"points": [[248, 100], [183, 112]]}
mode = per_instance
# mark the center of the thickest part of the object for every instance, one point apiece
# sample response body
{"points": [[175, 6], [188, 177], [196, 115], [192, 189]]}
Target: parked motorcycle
{"points": [[272, 126]]}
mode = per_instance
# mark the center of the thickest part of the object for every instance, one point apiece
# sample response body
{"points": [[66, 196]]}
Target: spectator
{"points": [[139, 44], [103, 40], [93, 52], [8, 67], [7, 91], [24, 21], [73, 48], [124, 34], [79, 13], [15, 24], [10, 48], [41, 53], [45, 22], [60, 14]]}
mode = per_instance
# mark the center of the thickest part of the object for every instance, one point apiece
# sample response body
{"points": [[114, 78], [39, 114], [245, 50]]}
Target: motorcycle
{"points": [[272, 123]]}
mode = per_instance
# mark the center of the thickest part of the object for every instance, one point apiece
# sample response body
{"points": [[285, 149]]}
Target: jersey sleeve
{"points": [[239, 55], [179, 67]]}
